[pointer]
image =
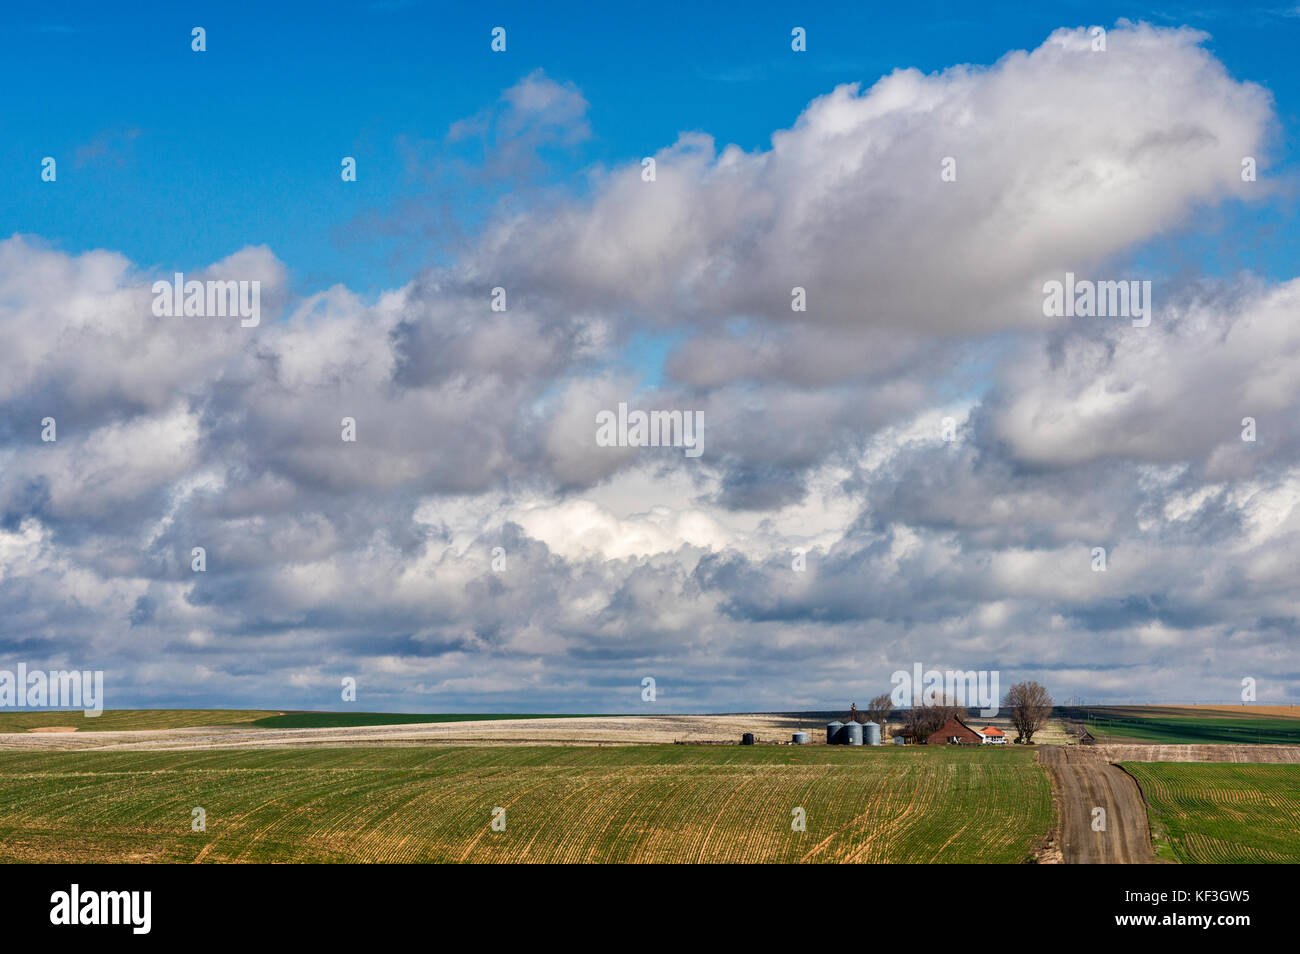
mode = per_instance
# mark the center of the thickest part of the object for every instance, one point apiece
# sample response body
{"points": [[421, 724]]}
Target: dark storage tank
{"points": [[852, 733], [835, 733]]}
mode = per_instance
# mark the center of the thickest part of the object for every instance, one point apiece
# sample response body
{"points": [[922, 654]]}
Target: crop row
{"points": [[1209, 812]]}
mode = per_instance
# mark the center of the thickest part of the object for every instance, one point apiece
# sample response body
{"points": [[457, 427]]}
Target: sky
{"points": [[918, 468]]}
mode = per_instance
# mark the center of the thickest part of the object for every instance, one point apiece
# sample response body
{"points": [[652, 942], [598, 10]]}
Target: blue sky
{"points": [[177, 159], [374, 559]]}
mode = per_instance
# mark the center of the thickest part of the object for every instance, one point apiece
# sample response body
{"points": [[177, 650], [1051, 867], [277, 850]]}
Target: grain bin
{"points": [[747, 738], [835, 733], [852, 733], [799, 738], [870, 733]]}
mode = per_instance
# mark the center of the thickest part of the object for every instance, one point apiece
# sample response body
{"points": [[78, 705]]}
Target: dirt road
{"points": [[1082, 781]]}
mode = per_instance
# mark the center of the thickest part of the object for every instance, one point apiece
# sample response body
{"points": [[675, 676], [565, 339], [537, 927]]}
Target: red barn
{"points": [[955, 732]]}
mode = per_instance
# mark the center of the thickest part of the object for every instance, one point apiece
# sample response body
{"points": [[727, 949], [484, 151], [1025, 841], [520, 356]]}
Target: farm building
{"points": [[853, 728], [992, 735], [955, 732]]}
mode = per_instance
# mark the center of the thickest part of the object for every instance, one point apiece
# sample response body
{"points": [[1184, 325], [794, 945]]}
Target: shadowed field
{"points": [[122, 720], [1260, 725], [563, 804], [135, 720]]}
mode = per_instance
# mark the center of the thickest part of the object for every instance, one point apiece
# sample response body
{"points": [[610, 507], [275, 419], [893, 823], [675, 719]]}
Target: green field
{"points": [[1214, 812], [659, 803], [1137, 724], [111, 720]]}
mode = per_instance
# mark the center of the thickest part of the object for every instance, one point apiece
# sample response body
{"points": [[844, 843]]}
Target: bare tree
{"points": [[924, 720], [878, 710], [912, 724], [1030, 706]]}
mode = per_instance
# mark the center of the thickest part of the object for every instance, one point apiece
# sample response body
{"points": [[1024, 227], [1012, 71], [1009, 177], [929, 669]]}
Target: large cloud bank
{"points": [[475, 547]]}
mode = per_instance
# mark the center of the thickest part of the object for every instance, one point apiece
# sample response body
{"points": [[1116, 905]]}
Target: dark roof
{"points": [[959, 720]]}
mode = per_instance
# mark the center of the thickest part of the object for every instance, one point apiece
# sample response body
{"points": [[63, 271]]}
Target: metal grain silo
{"points": [[852, 733], [870, 733], [747, 738], [799, 738], [835, 733]]}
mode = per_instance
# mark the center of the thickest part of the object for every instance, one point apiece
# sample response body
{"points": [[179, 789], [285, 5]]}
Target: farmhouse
{"points": [[992, 735], [955, 732]]}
